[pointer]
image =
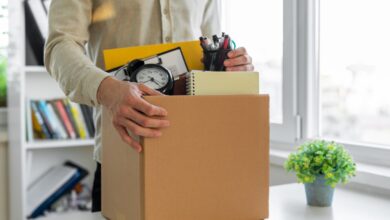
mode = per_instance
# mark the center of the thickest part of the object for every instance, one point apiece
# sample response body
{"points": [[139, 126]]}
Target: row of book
{"points": [[59, 119]]}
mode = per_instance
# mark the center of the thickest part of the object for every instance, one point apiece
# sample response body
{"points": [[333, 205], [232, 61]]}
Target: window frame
{"points": [[289, 130], [372, 159], [3, 110]]}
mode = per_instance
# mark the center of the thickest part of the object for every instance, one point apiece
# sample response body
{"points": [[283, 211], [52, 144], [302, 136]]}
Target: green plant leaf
{"points": [[321, 157]]}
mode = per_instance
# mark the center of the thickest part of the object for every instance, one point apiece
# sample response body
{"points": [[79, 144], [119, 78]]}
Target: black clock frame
{"points": [[134, 67]]}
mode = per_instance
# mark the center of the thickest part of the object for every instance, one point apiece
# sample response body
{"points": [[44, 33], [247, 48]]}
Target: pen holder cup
{"points": [[213, 60]]}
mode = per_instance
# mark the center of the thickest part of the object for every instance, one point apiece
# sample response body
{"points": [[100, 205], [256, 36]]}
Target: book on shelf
{"points": [[58, 119], [81, 127], [66, 104], [61, 113], [89, 123], [52, 186]]}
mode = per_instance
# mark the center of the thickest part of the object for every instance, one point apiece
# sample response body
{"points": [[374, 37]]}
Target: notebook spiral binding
{"points": [[190, 83]]}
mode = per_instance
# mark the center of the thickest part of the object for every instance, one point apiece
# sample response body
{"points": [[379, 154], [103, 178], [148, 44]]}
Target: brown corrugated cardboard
{"points": [[212, 163]]}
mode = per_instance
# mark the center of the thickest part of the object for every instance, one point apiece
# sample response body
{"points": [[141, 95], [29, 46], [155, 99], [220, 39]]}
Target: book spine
{"points": [[92, 122], [65, 119], [45, 131], [88, 119], [79, 120], [43, 110], [29, 122], [57, 126], [71, 117], [58, 116], [37, 129]]}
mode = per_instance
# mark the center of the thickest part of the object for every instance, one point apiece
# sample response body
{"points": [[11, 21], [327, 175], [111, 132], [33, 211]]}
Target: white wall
{"points": [[3, 182], [279, 176]]}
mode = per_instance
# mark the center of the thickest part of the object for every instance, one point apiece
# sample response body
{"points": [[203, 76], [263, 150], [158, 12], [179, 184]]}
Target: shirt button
{"points": [[166, 11], [168, 39]]}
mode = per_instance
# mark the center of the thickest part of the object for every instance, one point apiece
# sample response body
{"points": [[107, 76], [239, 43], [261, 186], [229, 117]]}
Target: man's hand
{"points": [[130, 111], [238, 60]]}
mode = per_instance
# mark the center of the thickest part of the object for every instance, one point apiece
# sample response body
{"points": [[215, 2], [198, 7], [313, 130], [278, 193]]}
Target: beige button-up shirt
{"points": [[79, 31]]}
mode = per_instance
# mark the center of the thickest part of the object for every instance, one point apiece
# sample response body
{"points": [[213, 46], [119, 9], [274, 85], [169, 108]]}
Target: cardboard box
{"points": [[212, 163]]}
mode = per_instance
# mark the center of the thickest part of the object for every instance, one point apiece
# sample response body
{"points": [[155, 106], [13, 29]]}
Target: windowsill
{"points": [[374, 176]]}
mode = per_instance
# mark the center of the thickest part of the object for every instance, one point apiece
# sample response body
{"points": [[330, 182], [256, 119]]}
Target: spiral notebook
{"points": [[222, 83]]}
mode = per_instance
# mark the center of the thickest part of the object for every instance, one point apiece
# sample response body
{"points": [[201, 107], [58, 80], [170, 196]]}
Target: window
{"points": [[264, 43], [3, 51], [266, 29], [354, 68], [4, 27]]}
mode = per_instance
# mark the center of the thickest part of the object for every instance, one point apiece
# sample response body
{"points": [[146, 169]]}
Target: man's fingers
{"points": [[147, 122], [237, 52], [127, 139], [146, 107], [138, 130], [248, 67], [238, 61], [149, 109], [148, 91]]}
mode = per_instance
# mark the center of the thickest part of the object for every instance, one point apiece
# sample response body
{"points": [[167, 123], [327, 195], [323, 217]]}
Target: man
{"points": [[106, 24]]}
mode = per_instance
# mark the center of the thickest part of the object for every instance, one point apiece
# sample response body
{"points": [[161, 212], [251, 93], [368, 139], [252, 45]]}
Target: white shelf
{"points": [[35, 69], [29, 160], [73, 215], [49, 144]]}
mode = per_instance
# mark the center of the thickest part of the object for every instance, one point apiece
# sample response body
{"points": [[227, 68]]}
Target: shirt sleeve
{"points": [[212, 18], [65, 55]]}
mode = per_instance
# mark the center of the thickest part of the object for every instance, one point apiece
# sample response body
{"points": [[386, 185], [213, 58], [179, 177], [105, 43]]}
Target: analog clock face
{"points": [[153, 77]]}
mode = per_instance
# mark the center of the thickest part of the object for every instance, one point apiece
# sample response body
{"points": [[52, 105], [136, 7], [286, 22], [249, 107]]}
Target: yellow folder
{"points": [[192, 52]]}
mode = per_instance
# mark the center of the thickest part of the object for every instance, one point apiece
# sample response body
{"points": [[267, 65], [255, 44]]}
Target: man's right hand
{"points": [[130, 111]]}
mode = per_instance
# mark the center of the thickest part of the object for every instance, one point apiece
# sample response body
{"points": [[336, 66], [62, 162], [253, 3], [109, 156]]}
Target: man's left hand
{"points": [[239, 60]]}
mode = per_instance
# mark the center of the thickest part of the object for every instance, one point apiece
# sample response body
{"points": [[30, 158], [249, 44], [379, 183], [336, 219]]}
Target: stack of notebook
{"points": [[222, 83]]}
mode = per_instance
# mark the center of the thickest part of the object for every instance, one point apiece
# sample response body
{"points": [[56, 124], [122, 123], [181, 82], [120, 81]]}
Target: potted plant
{"points": [[321, 165]]}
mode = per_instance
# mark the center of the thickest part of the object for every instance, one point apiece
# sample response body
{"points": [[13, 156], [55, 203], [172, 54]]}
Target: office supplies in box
{"points": [[192, 53], [173, 60], [215, 51], [210, 164], [158, 72]]}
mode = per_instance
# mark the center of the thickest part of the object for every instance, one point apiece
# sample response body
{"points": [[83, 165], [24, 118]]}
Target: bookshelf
{"points": [[46, 144], [28, 160]]}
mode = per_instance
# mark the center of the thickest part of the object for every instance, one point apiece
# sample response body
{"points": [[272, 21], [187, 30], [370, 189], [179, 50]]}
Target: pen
{"points": [[202, 42], [216, 42], [226, 42]]}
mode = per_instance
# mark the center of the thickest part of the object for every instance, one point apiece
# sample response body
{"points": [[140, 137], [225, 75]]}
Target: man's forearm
{"points": [[77, 76]]}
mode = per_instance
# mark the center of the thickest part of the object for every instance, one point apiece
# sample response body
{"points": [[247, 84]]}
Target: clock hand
{"points": [[155, 82], [146, 81], [158, 82]]}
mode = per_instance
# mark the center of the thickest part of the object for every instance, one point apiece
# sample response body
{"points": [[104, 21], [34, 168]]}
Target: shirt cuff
{"points": [[94, 82]]}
